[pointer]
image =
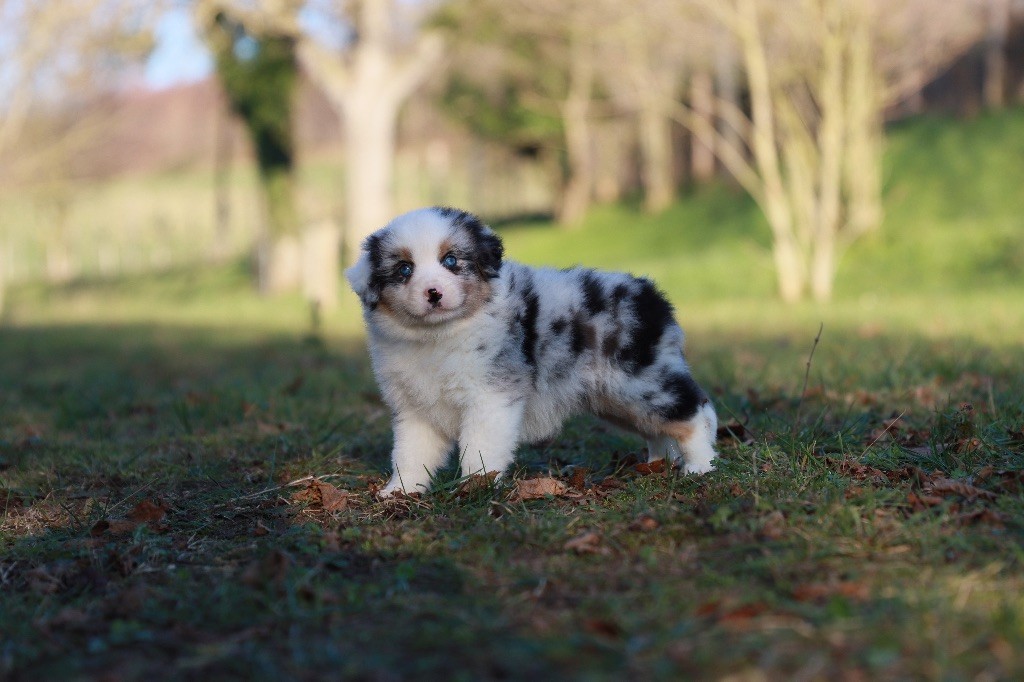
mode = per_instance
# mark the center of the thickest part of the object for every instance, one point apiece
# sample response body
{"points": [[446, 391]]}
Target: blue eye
{"points": [[404, 270], [449, 261]]}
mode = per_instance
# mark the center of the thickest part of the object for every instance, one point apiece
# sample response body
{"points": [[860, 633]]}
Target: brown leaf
{"points": [[734, 431], [919, 502], [644, 523], [657, 466], [603, 627], [113, 527], [324, 495], [147, 511], [537, 488], [812, 592], [588, 542], [743, 613], [578, 480], [948, 486], [774, 527], [477, 482], [986, 516], [265, 428], [272, 567]]}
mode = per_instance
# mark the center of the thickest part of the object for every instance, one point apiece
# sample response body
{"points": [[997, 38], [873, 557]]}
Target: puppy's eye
{"points": [[404, 270], [449, 261]]}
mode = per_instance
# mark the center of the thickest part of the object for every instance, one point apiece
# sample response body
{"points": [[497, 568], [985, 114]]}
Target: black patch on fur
{"points": [[610, 345], [687, 397], [374, 246], [558, 325], [529, 322], [582, 336], [487, 247], [619, 293], [653, 315], [593, 294]]}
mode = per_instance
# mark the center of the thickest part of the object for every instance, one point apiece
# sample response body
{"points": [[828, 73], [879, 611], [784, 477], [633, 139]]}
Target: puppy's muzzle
{"points": [[434, 297]]}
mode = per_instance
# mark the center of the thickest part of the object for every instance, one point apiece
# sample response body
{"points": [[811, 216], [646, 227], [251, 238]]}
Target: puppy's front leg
{"points": [[490, 434], [418, 453]]}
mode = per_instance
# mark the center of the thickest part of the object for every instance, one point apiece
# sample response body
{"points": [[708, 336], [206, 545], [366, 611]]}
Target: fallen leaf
{"points": [[812, 592], [322, 494], [986, 516], [948, 486], [578, 480], [743, 613], [603, 627], [476, 483], [644, 523], [260, 530], [922, 501], [657, 466], [113, 527], [736, 432], [588, 542], [774, 527], [147, 511], [537, 488], [271, 567]]}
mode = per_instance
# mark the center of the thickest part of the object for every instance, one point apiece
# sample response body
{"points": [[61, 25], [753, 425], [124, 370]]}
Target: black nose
{"points": [[433, 295]]}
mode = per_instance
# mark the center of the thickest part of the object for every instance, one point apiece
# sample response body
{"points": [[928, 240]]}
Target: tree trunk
{"points": [[320, 274], [279, 266], [702, 98], [370, 151], [575, 119], [727, 86], [656, 157], [995, 53]]}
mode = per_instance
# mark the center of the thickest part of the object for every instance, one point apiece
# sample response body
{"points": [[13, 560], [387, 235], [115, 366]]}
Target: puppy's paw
{"points": [[393, 487], [699, 467]]}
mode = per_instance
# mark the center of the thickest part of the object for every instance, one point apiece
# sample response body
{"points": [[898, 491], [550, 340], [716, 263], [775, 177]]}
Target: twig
{"points": [[289, 484], [807, 376], [891, 424]]}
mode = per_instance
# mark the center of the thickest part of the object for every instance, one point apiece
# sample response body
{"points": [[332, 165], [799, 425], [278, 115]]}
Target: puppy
{"points": [[470, 349]]}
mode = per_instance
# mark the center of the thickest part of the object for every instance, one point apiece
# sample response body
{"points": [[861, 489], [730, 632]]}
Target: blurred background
{"points": [[751, 150]]}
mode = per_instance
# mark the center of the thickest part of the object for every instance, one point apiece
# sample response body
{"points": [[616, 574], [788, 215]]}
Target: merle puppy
{"points": [[486, 353]]}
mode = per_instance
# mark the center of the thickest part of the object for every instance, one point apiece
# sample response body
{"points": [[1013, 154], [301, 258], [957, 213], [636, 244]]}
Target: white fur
{"points": [[458, 370]]}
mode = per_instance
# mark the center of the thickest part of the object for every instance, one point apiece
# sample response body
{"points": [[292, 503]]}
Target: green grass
{"points": [[829, 542]]}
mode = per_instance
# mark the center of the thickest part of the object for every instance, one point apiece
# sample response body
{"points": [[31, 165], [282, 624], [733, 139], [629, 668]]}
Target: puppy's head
{"points": [[427, 267]]}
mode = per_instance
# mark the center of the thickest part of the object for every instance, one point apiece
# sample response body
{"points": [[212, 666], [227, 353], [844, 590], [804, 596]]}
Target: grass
{"points": [[157, 434]]}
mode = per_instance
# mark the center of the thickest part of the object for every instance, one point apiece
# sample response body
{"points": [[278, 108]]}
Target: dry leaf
{"points": [[821, 591], [272, 567], [322, 494], [476, 483], [774, 527], [647, 468], [147, 511], [578, 480], [947, 486], [644, 523], [586, 543], [537, 488]]}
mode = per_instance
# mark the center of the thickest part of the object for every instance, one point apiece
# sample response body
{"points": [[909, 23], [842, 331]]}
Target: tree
{"points": [[368, 80], [54, 54], [818, 75], [258, 68]]}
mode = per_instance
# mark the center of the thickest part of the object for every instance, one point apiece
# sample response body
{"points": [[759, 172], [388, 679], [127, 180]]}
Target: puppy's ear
{"points": [[360, 275], [489, 252]]}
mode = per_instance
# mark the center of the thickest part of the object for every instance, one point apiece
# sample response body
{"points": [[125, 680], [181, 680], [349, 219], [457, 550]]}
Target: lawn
{"points": [[186, 475]]}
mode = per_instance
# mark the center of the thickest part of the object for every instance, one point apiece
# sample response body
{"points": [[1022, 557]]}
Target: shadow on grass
{"points": [[237, 579]]}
